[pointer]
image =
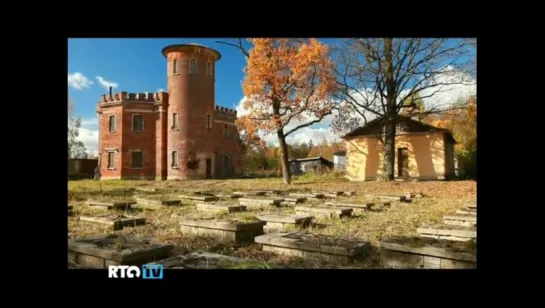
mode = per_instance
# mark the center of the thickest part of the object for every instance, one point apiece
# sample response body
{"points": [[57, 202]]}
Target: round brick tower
{"points": [[190, 79]]}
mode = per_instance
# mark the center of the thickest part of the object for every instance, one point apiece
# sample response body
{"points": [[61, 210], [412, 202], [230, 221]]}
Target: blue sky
{"points": [[137, 65]]}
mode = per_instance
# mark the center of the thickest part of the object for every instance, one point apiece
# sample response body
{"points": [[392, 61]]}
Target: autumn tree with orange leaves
{"points": [[462, 122], [286, 80]]}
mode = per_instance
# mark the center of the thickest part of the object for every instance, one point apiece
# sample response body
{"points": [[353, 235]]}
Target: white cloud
{"points": [[89, 139], [88, 134], [161, 90], [446, 95], [79, 81], [107, 84]]}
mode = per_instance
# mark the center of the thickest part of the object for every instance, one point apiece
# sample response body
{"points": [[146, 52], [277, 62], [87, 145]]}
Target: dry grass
{"points": [[163, 224]]}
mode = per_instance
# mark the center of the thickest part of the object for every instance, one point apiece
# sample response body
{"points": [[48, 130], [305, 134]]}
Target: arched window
{"points": [[209, 69], [225, 131], [175, 66], [193, 66]]}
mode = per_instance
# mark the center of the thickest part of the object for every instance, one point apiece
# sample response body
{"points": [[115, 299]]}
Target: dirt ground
{"points": [[162, 225]]}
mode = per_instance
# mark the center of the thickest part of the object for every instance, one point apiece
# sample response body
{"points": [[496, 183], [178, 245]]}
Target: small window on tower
{"points": [[111, 160], [208, 122], [174, 120], [175, 66], [225, 131], [209, 69], [193, 66], [137, 122], [174, 163], [111, 124]]}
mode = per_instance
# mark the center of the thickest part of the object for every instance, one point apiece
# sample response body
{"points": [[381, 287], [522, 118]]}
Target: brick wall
{"points": [[191, 97]]}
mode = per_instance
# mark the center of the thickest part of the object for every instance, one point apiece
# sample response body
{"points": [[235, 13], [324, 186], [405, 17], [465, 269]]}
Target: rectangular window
{"points": [[175, 66], [193, 66], [111, 124], [174, 159], [208, 122], [111, 160], [174, 120], [137, 122], [137, 159], [209, 69], [225, 131]]}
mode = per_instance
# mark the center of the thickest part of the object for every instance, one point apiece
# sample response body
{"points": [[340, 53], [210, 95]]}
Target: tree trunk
{"points": [[391, 113], [286, 172], [389, 150]]}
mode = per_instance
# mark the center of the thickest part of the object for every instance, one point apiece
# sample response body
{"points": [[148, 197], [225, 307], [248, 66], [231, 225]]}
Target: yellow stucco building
{"points": [[423, 152]]}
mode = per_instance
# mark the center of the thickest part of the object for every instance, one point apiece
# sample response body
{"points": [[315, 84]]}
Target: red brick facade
{"points": [[176, 135]]}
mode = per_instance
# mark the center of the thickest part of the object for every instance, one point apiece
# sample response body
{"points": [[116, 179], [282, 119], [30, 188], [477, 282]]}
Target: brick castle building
{"points": [[181, 134]]}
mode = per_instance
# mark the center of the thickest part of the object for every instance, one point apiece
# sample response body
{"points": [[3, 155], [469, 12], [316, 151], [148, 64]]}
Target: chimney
{"points": [[110, 91]]}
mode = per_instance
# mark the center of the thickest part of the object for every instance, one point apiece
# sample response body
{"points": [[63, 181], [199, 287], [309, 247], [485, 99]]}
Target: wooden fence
{"points": [[81, 168]]}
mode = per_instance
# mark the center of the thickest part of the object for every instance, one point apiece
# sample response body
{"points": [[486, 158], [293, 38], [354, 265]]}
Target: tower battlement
{"points": [[132, 97], [226, 111]]}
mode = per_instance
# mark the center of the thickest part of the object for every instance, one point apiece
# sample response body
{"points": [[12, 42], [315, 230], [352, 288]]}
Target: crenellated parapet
{"points": [[226, 111], [131, 97]]}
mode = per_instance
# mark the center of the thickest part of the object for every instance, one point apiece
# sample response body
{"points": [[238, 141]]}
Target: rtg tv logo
{"points": [[149, 271]]}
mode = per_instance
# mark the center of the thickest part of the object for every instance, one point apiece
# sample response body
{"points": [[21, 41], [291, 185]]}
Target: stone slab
{"points": [[232, 196], [312, 246], [326, 212], [256, 201], [294, 200], [333, 194], [388, 197], [251, 193], [103, 250], [203, 198], [307, 195], [448, 232], [109, 205], [237, 232], [286, 218], [279, 222], [460, 220], [414, 195], [159, 201], [117, 222], [146, 189], [220, 208], [471, 206], [350, 193], [207, 260], [414, 252], [204, 193], [465, 211], [361, 205]]}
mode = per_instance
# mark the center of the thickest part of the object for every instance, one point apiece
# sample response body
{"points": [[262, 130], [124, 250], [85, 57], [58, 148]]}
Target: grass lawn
{"points": [[162, 224]]}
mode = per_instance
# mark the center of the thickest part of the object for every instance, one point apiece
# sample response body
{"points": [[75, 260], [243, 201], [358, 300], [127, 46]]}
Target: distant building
{"points": [[179, 134], [422, 151], [312, 164], [339, 160]]}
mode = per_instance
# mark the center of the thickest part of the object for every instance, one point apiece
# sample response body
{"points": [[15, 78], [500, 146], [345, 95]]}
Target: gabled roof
{"points": [[412, 125]]}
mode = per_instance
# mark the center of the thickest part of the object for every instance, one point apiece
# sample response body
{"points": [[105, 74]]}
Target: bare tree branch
{"points": [[238, 45]]}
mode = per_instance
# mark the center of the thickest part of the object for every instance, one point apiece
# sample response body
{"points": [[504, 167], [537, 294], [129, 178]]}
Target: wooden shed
{"points": [[312, 164]]}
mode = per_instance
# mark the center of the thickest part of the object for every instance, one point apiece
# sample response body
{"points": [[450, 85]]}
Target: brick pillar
{"points": [[161, 137]]}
